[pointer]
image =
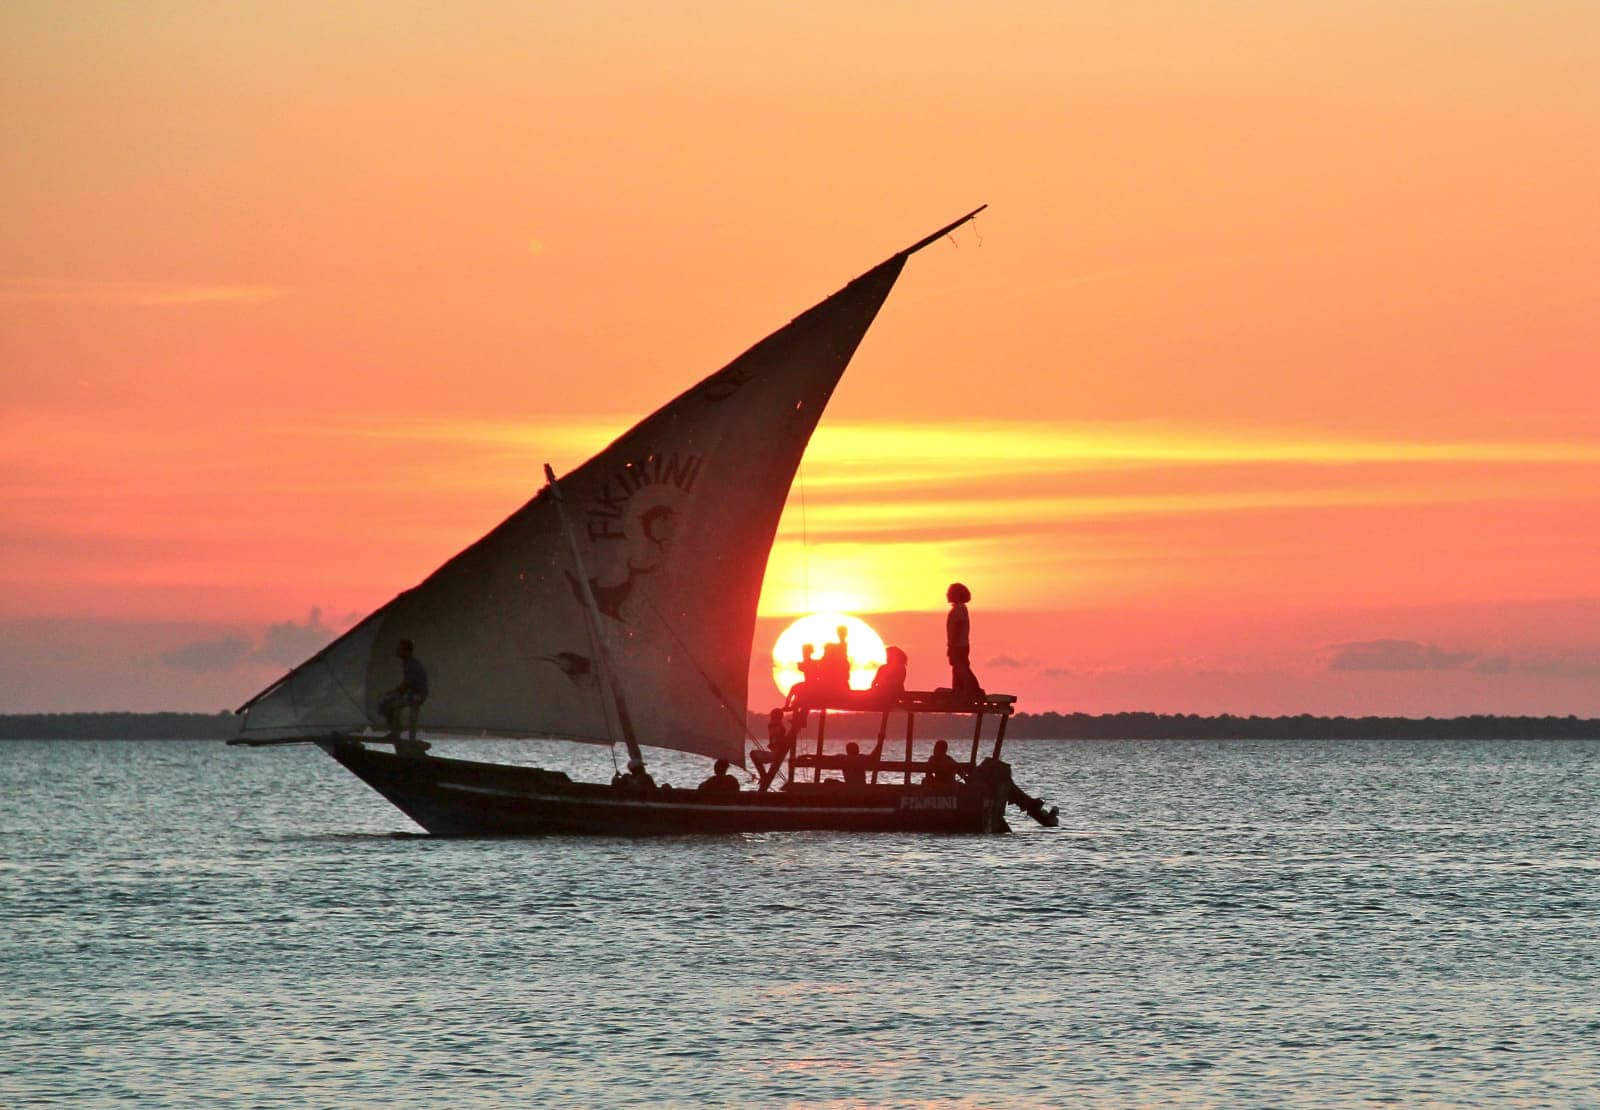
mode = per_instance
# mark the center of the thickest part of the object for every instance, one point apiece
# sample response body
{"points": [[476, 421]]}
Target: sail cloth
{"points": [[673, 523]]}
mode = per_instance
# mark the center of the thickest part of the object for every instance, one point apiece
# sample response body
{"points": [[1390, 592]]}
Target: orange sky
{"points": [[1264, 385]]}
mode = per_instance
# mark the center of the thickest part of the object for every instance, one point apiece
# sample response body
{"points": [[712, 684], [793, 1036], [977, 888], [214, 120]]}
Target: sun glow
{"points": [[817, 629]]}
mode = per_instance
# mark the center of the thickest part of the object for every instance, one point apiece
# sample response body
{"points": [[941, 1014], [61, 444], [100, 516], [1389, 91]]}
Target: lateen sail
{"points": [[674, 522]]}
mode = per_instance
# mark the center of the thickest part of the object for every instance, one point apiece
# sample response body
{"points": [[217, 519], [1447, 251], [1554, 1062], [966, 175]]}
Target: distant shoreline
{"points": [[1024, 726]]}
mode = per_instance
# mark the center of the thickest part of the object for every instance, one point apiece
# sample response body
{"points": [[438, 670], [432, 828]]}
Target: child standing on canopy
{"points": [[958, 642]]}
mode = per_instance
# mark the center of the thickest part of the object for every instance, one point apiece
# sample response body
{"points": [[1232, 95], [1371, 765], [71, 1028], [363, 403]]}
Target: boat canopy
{"points": [[673, 522]]}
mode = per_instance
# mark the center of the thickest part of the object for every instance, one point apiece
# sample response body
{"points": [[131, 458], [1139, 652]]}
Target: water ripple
{"points": [[1218, 923]]}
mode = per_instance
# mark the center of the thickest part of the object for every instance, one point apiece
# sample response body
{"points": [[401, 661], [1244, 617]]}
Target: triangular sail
{"points": [[674, 522]]}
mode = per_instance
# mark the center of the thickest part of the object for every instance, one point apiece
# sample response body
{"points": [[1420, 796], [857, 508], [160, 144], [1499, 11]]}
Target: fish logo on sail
{"points": [[578, 668]]}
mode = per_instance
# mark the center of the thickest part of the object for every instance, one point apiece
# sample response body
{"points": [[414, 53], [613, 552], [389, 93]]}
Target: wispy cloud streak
{"points": [[857, 452], [285, 643]]}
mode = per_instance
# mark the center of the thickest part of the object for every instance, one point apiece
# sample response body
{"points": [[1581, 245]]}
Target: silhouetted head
{"points": [[404, 649], [808, 651], [896, 655], [775, 717], [844, 633], [720, 767], [852, 748], [957, 592], [941, 748]]}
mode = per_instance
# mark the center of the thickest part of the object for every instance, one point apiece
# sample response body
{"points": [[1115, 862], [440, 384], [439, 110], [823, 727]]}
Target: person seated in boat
{"points": [[857, 765], [958, 643], [778, 740], [942, 767], [889, 682], [635, 778], [406, 698], [720, 782]]}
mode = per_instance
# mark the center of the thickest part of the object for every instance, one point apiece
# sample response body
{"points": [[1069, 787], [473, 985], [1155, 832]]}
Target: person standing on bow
{"points": [[958, 642], [409, 695]]}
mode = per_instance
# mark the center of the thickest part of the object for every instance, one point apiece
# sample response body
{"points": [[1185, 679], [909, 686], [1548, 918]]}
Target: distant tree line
{"points": [[856, 726], [1194, 726]]}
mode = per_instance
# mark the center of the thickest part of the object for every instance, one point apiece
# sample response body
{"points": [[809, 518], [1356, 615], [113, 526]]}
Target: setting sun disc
{"points": [[818, 629]]}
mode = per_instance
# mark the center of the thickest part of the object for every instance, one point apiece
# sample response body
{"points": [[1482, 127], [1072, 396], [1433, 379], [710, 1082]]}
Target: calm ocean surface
{"points": [[1216, 923]]}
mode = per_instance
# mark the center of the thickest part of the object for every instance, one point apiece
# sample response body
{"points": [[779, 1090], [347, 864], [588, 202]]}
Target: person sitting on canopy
{"points": [[889, 683], [833, 672], [827, 680], [942, 767], [810, 684], [810, 667], [720, 782]]}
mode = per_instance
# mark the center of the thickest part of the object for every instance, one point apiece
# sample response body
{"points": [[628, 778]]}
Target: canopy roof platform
{"points": [[944, 701]]}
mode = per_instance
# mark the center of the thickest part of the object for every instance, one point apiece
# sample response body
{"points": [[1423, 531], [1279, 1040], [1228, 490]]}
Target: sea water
{"points": [[1218, 923]]}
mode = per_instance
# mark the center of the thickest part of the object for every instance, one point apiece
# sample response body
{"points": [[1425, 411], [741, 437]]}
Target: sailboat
{"points": [[619, 604]]}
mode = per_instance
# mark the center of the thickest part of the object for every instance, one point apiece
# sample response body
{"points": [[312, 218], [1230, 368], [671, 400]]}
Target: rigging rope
{"points": [[740, 716], [805, 535]]}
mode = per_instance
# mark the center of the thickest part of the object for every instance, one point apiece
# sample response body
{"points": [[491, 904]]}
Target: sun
{"points": [[866, 648]]}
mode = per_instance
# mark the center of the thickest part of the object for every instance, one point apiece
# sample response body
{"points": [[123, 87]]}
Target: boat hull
{"points": [[455, 797]]}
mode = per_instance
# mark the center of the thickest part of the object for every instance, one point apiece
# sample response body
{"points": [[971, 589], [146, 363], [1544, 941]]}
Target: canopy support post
{"points": [[822, 731], [910, 719], [883, 732]]}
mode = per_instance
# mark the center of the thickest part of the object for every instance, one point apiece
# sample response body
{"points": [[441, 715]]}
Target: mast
{"points": [[602, 651]]}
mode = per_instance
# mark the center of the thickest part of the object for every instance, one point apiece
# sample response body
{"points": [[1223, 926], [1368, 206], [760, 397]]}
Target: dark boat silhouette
{"points": [[619, 604]]}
